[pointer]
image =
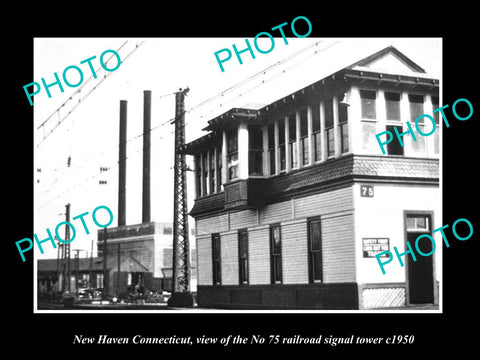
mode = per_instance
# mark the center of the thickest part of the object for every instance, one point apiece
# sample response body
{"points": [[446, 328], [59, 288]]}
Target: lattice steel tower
{"points": [[181, 246]]}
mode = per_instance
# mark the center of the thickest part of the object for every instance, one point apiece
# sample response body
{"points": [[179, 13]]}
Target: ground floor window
{"points": [[216, 258], [243, 256], [276, 254], [315, 250]]}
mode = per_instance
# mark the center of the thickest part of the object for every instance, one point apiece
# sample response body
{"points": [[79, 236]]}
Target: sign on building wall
{"points": [[366, 190], [374, 246]]}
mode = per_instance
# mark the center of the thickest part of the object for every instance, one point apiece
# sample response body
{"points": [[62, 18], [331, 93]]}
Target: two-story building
{"points": [[295, 199]]}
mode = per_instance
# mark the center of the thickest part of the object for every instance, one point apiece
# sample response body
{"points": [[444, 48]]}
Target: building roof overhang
{"points": [[211, 139], [412, 81], [232, 117]]}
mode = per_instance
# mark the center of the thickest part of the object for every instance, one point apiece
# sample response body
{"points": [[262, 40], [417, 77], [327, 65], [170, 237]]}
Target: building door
{"points": [[420, 276]]}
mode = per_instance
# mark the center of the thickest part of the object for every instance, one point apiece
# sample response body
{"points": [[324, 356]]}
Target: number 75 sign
{"points": [[366, 190]]}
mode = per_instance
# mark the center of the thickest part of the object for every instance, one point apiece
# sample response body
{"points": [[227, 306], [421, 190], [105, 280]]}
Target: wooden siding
{"points": [[276, 213], [336, 211], [259, 255], [338, 247], [298, 208], [324, 203], [243, 219], [213, 224], [294, 252], [204, 260]]}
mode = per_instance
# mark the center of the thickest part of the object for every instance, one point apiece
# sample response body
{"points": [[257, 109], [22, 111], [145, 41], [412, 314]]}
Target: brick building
{"points": [[140, 255], [295, 198]]}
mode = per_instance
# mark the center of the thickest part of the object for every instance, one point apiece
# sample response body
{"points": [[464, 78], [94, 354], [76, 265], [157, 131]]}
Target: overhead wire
{"points": [[208, 100], [242, 82], [81, 97], [77, 91]]}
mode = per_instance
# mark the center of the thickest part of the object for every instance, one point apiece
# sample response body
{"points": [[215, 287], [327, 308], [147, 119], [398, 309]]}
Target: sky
{"points": [[89, 135]]}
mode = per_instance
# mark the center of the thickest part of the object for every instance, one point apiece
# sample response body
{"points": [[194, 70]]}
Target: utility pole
{"points": [[67, 247], [90, 270], [104, 263], [63, 267], [58, 263], [118, 267], [181, 295], [77, 268]]}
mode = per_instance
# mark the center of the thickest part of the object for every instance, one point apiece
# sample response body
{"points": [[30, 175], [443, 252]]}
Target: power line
{"points": [[242, 82], [263, 72], [81, 97], [263, 82], [78, 90], [220, 94]]}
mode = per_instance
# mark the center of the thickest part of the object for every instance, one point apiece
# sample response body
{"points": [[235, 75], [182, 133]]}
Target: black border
{"points": [[53, 333]]}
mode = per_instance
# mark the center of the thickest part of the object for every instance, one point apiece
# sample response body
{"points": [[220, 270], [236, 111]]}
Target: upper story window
{"points": [[317, 138], [271, 147], [208, 171], [255, 151], [368, 120], [343, 123], [198, 175], [292, 140], [368, 104], [396, 113], [416, 106], [392, 111], [416, 109], [392, 102], [212, 171], [205, 172], [436, 134], [304, 149], [281, 143], [329, 127], [219, 168], [232, 154]]}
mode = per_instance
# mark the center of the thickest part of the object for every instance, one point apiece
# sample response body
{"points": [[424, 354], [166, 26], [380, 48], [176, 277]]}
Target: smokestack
{"points": [[122, 164], [147, 102]]}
